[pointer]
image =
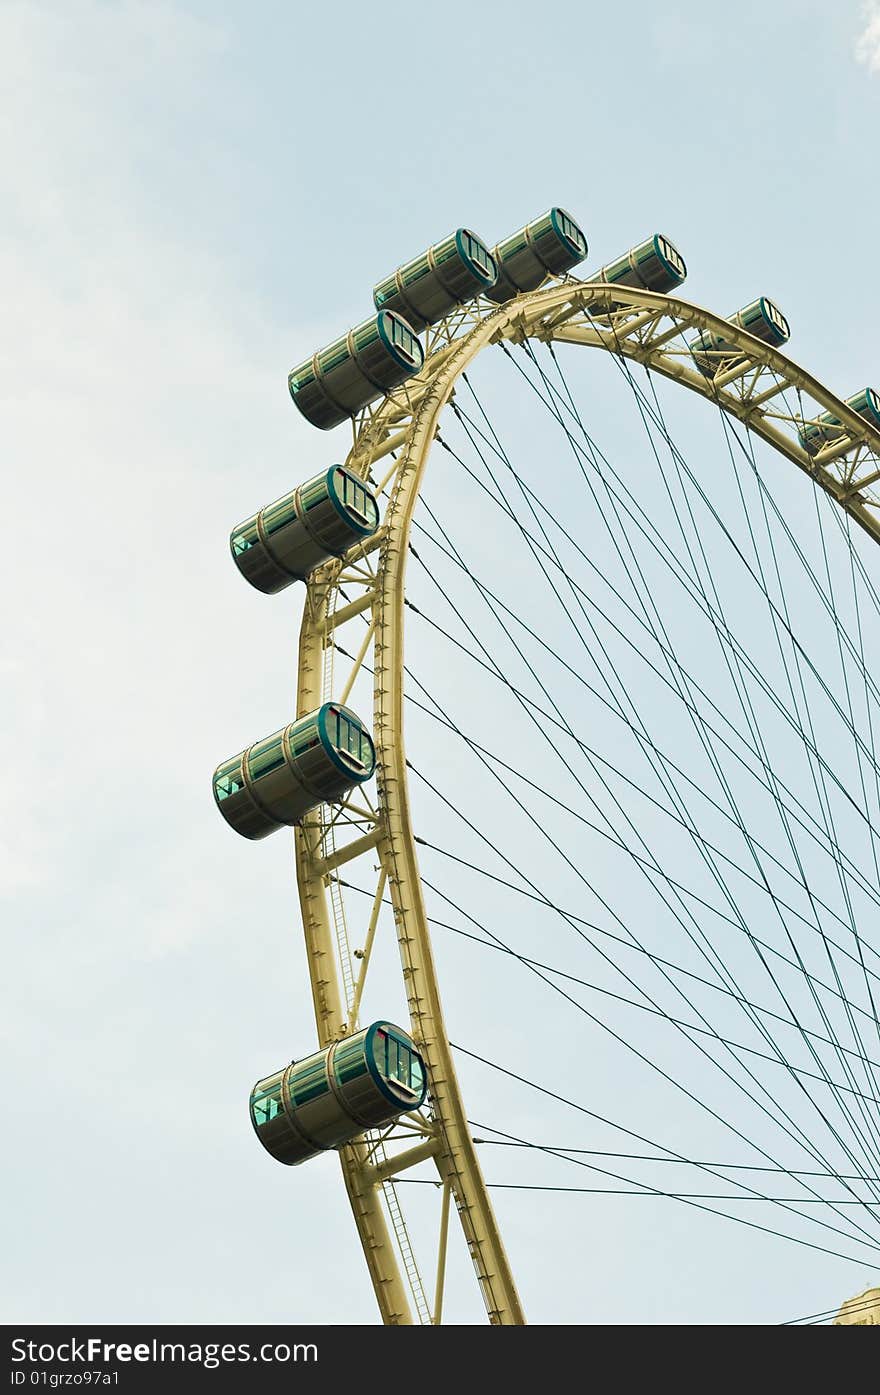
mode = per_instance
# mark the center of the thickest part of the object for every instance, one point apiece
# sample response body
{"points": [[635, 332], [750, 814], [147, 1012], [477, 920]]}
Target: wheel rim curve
{"points": [[407, 421]]}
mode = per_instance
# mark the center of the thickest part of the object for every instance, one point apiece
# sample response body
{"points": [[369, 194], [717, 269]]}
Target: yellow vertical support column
{"points": [[330, 1014], [457, 1159]]}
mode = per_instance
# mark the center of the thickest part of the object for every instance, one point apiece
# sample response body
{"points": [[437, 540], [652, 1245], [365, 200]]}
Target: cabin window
{"points": [[332, 357], [572, 232], [309, 1080], [246, 537], [364, 335], [671, 255], [349, 1061], [355, 496], [349, 736], [478, 253], [266, 1103], [616, 271], [305, 746], [312, 492], [298, 731], [229, 779], [301, 376], [279, 514], [403, 337], [266, 756], [398, 1061], [347, 739], [445, 249], [333, 727], [415, 270], [518, 243], [542, 226], [416, 1074], [362, 503]]}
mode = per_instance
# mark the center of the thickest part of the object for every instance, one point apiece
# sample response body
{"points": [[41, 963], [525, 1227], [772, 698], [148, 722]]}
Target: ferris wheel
{"points": [[382, 1093]]}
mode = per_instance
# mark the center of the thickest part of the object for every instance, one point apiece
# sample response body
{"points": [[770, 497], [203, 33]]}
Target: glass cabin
{"points": [[432, 285], [654, 265], [364, 1081], [366, 363], [274, 783], [760, 317], [548, 246], [821, 431], [321, 519]]}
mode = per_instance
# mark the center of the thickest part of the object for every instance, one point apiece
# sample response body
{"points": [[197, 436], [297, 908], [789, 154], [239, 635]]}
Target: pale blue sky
{"points": [[196, 196]]}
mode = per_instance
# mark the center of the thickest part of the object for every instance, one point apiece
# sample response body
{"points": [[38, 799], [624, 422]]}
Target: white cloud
{"points": [[868, 42]]}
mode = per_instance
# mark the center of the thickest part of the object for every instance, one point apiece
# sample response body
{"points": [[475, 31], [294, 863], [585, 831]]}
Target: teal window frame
{"points": [[777, 319], [354, 496], [477, 252], [674, 258]]}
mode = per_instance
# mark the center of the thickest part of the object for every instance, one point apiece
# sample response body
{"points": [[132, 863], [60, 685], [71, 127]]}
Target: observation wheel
{"points": [[353, 639]]}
